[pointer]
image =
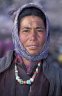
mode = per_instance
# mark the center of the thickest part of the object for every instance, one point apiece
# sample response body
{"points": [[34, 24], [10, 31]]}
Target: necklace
{"points": [[29, 81]]}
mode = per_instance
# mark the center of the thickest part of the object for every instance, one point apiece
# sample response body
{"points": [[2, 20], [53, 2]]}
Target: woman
{"points": [[26, 71]]}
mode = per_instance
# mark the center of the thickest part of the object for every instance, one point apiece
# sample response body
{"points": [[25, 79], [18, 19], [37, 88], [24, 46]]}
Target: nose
{"points": [[33, 35]]}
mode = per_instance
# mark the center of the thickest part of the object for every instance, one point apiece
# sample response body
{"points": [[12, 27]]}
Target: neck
{"points": [[29, 64]]}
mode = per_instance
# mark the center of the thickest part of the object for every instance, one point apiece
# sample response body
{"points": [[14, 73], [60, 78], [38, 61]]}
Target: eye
{"points": [[26, 30], [41, 30]]}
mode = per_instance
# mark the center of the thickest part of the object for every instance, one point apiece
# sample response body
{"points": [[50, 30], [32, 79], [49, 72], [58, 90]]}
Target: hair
{"points": [[31, 11]]}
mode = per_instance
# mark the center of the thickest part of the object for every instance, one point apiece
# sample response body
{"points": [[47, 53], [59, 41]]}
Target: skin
{"points": [[32, 34]]}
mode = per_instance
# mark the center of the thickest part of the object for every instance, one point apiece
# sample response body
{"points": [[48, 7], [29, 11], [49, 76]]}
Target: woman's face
{"points": [[32, 34]]}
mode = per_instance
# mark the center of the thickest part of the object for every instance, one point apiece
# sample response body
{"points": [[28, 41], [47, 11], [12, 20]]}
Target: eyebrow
{"points": [[26, 28], [35, 27], [40, 27]]}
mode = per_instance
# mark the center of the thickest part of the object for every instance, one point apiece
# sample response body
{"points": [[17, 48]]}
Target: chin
{"points": [[33, 53]]}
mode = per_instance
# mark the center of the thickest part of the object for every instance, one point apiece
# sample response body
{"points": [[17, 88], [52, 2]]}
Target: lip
{"points": [[32, 46]]}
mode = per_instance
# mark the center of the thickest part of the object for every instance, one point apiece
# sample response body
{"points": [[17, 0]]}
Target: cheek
{"points": [[22, 39], [42, 39]]}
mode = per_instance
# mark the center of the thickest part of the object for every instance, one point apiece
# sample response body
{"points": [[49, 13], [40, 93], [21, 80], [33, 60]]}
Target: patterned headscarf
{"points": [[18, 46]]}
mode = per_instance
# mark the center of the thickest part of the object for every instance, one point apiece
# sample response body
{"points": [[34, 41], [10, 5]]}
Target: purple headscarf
{"points": [[19, 48]]}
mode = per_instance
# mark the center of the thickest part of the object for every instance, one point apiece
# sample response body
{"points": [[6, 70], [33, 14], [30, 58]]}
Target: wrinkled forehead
{"points": [[32, 21]]}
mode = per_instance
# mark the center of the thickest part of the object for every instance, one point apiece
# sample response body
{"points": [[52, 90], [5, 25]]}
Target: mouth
{"points": [[33, 47]]}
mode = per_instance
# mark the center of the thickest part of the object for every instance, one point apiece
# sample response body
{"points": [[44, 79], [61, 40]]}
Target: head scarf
{"points": [[18, 46]]}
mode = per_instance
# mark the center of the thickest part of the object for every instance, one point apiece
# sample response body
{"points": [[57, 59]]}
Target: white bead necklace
{"points": [[29, 81]]}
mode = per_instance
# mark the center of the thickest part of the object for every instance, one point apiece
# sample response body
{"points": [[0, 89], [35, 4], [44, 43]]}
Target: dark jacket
{"points": [[49, 81]]}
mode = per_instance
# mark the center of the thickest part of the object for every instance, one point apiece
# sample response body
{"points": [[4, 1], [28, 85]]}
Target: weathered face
{"points": [[32, 34]]}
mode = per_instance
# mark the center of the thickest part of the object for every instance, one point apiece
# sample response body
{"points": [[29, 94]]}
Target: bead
{"points": [[31, 79], [28, 82], [38, 64], [17, 77], [24, 82], [36, 69], [16, 71], [21, 81]]}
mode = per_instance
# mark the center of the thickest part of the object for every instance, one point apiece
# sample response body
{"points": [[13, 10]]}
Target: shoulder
{"points": [[53, 71], [56, 68], [6, 61], [52, 66]]}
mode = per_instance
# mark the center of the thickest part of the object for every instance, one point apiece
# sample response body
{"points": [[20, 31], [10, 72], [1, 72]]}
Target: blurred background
{"points": [[53, 10]]}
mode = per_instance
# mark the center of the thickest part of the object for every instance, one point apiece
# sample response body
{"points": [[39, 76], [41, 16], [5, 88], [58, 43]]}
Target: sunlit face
{"points": [[32, 34]]}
